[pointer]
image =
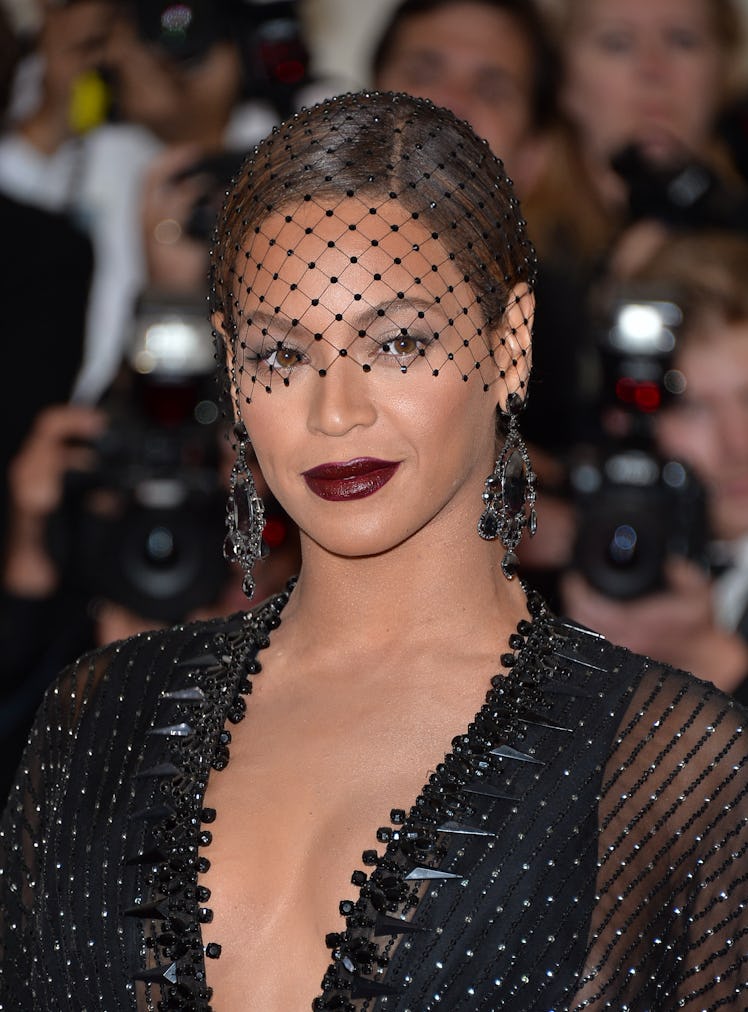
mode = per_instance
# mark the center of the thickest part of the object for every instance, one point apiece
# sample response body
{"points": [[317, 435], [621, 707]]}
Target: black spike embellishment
{"points": [[384, 925], [192, 695], [362, 987], [159, 974], [422, 874], [507, 752], [161, 771], [182, 730]]}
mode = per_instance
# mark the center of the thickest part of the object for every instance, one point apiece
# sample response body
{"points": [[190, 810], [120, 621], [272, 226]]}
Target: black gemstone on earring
{"points": [[510, 565], [515, 482], [243, 512], [488, 525]]}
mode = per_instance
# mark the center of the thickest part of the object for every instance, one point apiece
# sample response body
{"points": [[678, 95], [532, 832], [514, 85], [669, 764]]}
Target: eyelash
{"points": [[262, 358], [385, 350], [384, 346]]}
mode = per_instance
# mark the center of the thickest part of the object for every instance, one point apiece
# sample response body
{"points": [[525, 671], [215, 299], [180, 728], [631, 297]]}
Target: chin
{"points": [[352, 541]]}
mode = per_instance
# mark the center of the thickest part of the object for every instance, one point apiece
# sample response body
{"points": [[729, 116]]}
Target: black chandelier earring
{"points": [[509, 496], [245, 515]]}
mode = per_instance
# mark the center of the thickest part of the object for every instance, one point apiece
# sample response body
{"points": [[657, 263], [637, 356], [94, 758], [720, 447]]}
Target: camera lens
{"points": [[622, 548], [159, 545]]}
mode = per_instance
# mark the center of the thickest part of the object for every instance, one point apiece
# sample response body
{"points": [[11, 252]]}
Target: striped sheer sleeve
{"points": [[27, 910], [670, 923]]}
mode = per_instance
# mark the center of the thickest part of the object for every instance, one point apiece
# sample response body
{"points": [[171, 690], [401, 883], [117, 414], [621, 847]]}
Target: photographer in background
{"points": [[192, 87], [90, 559], [114, 509], [489, 61], [699, 620], [644, 84], [36, 244]]}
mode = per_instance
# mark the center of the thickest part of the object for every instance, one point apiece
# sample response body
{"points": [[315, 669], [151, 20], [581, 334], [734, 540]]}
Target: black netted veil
{"points": [[375, 205]]}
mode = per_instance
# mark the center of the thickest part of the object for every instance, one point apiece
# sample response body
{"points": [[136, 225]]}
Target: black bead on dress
{"points": [[582, 845]]}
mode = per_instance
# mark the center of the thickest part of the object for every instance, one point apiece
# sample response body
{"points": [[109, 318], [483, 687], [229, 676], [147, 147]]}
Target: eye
{"points": [[403, 344], [282, 357], [683, 38], [613, 41]]}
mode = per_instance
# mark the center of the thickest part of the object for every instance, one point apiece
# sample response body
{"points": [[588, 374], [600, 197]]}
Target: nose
{"points": [[653, 62], [341, 399]]}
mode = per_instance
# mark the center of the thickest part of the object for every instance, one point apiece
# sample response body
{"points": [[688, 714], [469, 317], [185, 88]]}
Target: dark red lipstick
{"points": [[350, 479]]}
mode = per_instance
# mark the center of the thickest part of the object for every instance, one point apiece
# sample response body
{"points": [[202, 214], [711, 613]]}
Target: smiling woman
{"points": [[562, 824]]}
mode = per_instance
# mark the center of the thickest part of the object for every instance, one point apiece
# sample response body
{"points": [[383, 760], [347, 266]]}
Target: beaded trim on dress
{"points": [[176, 914]]}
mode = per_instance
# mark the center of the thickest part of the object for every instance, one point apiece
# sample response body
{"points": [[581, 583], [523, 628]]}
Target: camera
{"points": [[275, 60], [684, 193], [144, 527], [636, 506]]}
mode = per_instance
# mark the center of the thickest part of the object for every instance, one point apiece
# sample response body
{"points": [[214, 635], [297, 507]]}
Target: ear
{"points": [[512, 341], [225, 355]]}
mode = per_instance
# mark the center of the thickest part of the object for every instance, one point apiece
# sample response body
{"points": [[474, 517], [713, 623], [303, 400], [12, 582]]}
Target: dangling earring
{"points": [[509, 496], [245, 515]]}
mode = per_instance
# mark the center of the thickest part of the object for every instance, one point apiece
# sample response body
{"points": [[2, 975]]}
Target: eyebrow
{"points": [[264, 319]]}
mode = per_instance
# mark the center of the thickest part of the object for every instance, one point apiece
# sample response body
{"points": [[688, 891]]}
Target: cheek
{"points": [[692, 441], [697, 90], [271, 428], [598, 94], [462, 430]]}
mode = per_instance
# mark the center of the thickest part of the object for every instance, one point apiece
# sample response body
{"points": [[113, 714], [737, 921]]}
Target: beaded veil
{"points": [[403, 219]]}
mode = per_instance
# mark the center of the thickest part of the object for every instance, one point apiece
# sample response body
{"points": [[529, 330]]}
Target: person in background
{"points": [[132, 184], [644, 82], [699, 620], [168, 100], [37, 244], [643, 85], [489, 61]]}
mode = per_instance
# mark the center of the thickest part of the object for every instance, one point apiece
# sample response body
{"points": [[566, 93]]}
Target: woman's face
{"points": [[643, 71], [367, 379]]}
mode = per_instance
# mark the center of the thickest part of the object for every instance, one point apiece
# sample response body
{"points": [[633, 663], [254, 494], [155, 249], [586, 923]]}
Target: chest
{"points": [[289, 816], [300, 801]]}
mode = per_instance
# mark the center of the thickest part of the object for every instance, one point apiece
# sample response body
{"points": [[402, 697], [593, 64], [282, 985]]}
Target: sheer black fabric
{"points": [[583, 845]]}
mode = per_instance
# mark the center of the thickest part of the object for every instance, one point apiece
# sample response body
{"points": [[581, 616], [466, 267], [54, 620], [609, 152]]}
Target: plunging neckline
{"points": [[415, 843]]}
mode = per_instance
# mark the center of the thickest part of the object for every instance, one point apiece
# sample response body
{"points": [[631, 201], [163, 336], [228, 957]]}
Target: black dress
{"points": [[582, 846]]}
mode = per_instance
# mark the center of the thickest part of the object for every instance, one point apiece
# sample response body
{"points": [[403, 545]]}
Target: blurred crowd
{"points": [[624, 124]]}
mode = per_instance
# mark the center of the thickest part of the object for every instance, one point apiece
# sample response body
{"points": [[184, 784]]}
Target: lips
{"points": [[350, 479]]}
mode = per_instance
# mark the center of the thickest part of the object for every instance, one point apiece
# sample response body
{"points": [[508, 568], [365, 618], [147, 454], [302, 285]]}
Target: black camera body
{"points": [[145, 526], [636, 507], [683, 194], [275, 59]]}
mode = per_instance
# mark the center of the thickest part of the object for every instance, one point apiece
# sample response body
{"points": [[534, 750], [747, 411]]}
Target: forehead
{"points": [[343, 249], [696, 12], [472, 34]]}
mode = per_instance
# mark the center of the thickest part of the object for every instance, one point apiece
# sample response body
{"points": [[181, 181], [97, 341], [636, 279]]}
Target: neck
{"points": [[426, 589]]}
